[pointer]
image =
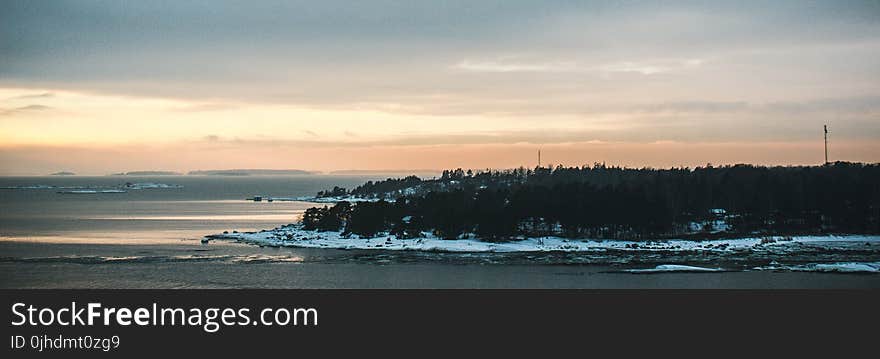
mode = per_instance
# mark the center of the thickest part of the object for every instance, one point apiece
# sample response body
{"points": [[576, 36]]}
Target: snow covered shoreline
{"points": [[293, 235], [311, 199], [334, 199]]}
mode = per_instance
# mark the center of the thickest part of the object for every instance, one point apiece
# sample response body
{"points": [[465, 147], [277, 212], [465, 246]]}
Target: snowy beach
{"points": [[294, 235]]}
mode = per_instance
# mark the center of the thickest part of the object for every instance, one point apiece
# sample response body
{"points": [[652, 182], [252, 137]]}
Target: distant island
{"points": [[249, 172], [148, 173], [63, 173]]}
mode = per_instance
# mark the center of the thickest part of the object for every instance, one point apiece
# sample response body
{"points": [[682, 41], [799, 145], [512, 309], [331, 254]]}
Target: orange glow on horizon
{"points": [[100, 134]]}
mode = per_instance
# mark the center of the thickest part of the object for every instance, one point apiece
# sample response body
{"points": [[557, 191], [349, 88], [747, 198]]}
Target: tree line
{"points": [[614, 202]]}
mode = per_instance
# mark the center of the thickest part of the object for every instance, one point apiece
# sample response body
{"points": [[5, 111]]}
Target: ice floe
{"points": [[842, 267], [92, 191], [128, 186], [150, 185], [673, 268]]}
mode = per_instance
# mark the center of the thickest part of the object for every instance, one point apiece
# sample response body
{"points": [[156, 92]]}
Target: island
{"points": [[738, 210]]}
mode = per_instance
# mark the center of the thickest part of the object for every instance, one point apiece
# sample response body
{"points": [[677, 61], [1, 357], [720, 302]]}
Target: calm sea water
{"points": [[204, 205]]}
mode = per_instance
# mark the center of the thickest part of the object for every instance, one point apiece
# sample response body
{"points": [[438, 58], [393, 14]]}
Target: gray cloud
{"points": [[24, 109], [206, 107], [33, 96], [33, 108]]}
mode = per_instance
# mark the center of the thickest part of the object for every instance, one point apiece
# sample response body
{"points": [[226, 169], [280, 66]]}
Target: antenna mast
{"points": [[539, 157], [825, 127]]}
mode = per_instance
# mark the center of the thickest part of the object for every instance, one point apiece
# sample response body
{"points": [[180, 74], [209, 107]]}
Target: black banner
{"points": [[416, 322]]}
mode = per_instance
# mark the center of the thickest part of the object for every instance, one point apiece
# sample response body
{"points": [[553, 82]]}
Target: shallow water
{"points": [[205, 204], [231, 265]]}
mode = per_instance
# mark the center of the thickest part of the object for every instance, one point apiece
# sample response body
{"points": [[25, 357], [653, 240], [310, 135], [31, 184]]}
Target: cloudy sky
{"points": [[105, 86]]}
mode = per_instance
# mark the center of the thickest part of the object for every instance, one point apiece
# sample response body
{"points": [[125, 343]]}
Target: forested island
{"points": [[606, 202]]}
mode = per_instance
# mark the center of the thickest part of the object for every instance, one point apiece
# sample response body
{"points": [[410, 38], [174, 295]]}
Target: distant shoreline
{"points": [[249, 172], [177, 174], [147, 173]]}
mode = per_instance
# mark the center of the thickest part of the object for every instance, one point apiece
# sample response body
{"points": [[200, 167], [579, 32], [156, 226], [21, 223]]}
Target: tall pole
{"points": [[539, 158], [825, 127]]}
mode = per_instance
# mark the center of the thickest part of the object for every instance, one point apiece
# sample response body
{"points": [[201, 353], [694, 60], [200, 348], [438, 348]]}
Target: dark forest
{"points": [[613, 203]]}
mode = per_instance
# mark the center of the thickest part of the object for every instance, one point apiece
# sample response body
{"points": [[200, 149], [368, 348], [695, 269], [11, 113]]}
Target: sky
{"points": [[97, 87]]}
